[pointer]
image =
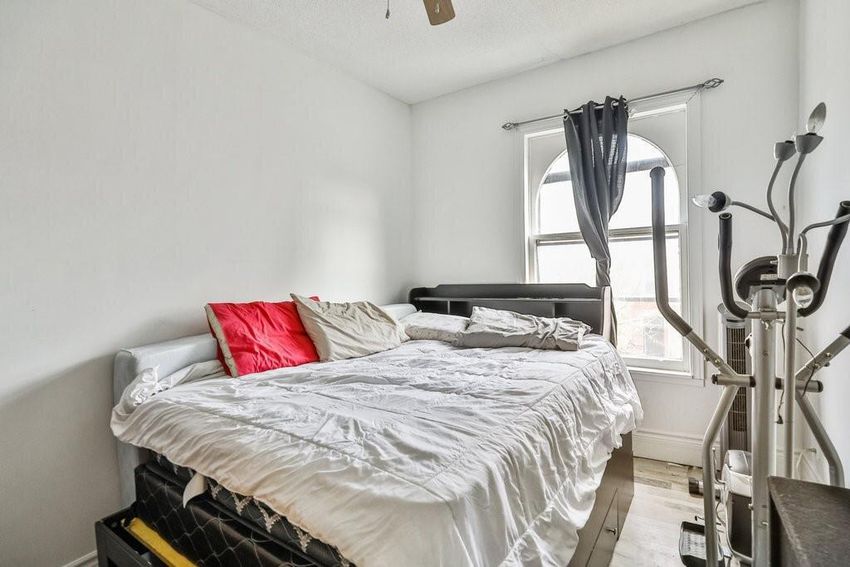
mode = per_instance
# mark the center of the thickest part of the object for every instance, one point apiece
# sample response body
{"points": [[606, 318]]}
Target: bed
{"points": [[427, 454]]}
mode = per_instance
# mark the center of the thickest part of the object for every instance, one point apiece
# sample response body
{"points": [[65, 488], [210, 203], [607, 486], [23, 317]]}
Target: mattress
{"points": [[426, 454], [254, 512]]}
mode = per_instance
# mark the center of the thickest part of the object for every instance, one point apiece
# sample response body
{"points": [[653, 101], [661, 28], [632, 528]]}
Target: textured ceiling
{"points": [[413, 61]]}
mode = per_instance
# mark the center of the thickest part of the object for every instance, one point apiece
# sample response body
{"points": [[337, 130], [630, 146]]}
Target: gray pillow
{"points": [[494, 328], [421, 326], [348, 330]]}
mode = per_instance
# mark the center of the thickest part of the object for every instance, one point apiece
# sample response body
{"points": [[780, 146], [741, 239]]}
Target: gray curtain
{"points": [[597, 146]]}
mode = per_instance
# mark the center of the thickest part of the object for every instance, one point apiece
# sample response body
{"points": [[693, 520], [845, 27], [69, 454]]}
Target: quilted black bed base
{"points": [[256, 514], [205, 531]]}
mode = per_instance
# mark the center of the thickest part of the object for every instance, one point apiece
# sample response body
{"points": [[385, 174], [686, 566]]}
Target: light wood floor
{"points": [[651, 533]]}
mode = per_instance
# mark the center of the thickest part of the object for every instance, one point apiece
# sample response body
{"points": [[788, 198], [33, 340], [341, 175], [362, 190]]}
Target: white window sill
{"points": [[675, 377]]}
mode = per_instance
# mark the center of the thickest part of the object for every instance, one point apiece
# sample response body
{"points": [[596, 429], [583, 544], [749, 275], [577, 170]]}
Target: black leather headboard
{"points": [[591, 305]]}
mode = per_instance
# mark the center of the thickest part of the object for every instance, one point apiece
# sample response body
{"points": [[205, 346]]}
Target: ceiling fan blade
{"points": [[439, 11]]}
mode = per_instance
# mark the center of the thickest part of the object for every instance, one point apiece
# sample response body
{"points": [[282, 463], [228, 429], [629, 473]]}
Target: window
{"points": [[556, 251]]}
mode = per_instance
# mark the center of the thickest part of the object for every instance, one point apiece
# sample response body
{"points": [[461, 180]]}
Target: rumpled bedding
{"points": [[149, 383], [423, 455], [494, 328]]}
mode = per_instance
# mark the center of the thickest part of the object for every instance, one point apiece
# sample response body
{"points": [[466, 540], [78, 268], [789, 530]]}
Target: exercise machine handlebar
{"points": [[724, 246], [659, 245], [659, 248], [662, 298], [834, 239]]}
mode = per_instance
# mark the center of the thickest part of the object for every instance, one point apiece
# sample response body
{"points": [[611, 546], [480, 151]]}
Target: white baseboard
{"points": [[87, 560], [668, 447], [687, 450], [813, 467], [808, 465]]}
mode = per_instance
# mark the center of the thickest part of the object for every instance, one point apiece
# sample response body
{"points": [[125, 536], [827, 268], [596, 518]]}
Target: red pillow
{"points": [[259, 336]]}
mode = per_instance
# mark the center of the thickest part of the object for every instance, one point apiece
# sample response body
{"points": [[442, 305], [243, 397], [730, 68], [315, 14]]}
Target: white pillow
{"points": [[422, 326], [348, 330]]}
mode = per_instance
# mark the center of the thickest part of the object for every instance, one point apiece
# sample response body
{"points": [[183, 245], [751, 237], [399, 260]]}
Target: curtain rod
{"points": [[709, 84]]}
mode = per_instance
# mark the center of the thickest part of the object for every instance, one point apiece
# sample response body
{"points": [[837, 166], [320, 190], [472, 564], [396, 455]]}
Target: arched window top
{"points": [[556, 207], [643, 156]]}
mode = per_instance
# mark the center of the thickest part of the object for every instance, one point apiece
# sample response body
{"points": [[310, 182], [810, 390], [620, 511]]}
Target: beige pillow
{"points": [[348, 330]]}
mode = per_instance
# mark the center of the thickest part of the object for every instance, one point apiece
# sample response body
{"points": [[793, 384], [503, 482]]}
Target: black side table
{"points": [[809, 523]]}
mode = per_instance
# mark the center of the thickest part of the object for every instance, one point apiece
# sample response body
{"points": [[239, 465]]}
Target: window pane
{"points": [[556, 211], [636, 206], [565, 263], [556, 207], [641, 149], [642, 331], [555, 204]]}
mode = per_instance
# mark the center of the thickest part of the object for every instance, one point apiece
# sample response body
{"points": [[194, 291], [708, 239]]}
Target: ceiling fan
{"points": [[439, 11]]}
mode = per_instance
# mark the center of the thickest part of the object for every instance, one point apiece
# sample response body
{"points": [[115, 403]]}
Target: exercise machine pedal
{"points": [[692, 546]]}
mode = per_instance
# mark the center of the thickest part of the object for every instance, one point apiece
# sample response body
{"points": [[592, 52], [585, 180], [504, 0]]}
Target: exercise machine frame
{"points": [[770, 281]]}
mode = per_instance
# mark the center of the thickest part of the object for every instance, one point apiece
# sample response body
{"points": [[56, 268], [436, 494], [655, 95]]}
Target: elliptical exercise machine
{"points": [[763, 283]]}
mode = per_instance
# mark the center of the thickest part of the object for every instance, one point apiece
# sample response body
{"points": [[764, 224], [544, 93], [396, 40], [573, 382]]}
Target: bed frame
{"points": [[592, 305], [589, 304]]}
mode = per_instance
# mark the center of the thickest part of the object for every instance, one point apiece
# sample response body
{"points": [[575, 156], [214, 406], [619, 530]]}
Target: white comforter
{"points": [[425, 455]]}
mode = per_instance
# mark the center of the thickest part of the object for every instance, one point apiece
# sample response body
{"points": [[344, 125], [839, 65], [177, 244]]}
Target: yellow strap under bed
{"points": [[158, 546]]}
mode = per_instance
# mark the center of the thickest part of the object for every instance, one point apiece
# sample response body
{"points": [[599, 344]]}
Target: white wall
{"points": [[154, 157], [468, 172], [825, 76]]}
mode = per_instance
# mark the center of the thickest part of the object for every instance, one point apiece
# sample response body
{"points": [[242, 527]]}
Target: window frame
{"points": [[692, 365]]}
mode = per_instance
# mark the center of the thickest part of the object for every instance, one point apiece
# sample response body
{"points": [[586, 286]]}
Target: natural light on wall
{"points": [[557, 252]]}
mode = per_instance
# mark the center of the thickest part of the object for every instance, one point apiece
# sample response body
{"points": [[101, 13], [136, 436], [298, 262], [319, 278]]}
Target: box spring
{"points": [[225, 529]]}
